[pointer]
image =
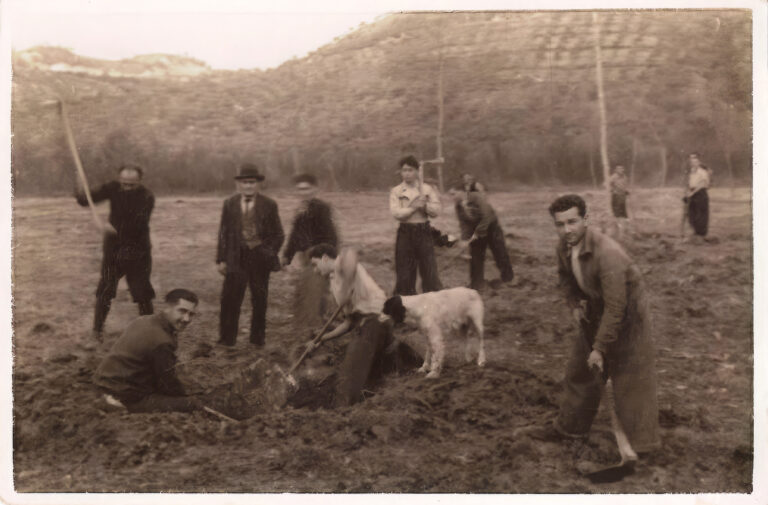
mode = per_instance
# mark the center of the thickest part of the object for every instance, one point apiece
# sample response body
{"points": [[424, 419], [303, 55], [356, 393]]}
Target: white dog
{"points": [[437, 313]]}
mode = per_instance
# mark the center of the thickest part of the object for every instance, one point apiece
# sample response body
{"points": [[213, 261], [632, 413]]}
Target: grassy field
{"points": [[454, 434]]}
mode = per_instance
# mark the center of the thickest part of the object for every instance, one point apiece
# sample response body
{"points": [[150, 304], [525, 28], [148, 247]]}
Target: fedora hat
{"points": [[249, 171]]}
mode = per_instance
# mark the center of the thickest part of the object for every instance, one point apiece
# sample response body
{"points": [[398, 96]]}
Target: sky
{"points": [[232, 35]]}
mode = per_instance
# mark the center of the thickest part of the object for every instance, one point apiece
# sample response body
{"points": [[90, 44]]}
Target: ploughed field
{"points": [[453, 434]]}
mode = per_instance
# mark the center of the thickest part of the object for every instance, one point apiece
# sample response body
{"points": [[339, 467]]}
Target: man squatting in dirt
{"points": [[140, 369], [250, 236], [412, 204], [312, 225], [618, 185], [126, 246], [362, 301], [480, 226], [605, 291]]}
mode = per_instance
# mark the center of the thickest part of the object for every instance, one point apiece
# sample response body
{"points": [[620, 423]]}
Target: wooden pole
{"points": [[79, 166], [601, 103], [440, 118], [592, 160]]}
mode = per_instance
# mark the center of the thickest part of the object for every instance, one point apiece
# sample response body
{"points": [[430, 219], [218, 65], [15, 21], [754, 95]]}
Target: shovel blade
{"points": [[613, 473]]}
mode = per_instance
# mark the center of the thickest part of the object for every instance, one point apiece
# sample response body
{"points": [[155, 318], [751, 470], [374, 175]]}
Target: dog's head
{"points": [[394, 308]]}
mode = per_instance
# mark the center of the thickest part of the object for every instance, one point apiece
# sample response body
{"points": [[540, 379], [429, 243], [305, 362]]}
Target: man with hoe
{"points": [[127, 248]]}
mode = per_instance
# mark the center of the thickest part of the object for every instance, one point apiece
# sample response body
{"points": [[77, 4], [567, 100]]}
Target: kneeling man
{"points": [[140, 369]]}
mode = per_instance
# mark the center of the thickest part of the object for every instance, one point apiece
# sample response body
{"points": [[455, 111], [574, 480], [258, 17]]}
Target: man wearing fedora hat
{"points": [[250, 236]]}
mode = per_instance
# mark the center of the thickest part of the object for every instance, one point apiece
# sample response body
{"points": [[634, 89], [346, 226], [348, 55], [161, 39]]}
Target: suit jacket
{"points": [[230, 231]]}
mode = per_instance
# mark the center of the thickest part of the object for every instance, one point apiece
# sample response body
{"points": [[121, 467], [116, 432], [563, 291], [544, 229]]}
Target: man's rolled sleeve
{"points": [[613, 284], [487, 215]]}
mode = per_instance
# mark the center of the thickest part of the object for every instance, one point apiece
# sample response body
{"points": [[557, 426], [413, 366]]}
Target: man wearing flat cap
{"points": [[250, 236]]}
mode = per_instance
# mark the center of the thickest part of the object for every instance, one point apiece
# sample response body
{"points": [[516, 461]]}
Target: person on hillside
{"points": [[699, 178], [412, 204], [312, 225], [605, 292], [250, 237], [619, 191], [126, 244], [480, 226], [140, 369]]}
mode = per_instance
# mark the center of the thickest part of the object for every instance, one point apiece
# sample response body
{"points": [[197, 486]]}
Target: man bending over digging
{"points": [[361, 300]]}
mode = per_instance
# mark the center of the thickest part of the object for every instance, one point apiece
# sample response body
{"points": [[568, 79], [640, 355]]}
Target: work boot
{"points": [[99, 316], [146, 308]]}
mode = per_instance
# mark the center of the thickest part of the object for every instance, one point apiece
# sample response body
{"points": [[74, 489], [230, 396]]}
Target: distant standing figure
{"points": [[479, 225], [619, 191], [250, 236], [140, 369], [699, 179], [605, 291], [412, 206], [127, 248], [312, 225]]}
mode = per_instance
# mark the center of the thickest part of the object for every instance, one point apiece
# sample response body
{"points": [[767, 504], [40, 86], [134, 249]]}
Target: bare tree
{"points": [[601, 103]]}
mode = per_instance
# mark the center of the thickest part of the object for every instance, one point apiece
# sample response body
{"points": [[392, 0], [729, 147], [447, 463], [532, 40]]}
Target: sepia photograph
{"points": [[383, 251]]}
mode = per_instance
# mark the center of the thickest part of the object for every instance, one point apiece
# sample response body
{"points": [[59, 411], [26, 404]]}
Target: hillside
{"points": [[519, 98]]}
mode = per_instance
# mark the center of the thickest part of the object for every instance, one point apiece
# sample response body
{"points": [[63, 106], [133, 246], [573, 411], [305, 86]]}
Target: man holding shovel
{"points": [[127, 248], [605, 292], [361, 300]]}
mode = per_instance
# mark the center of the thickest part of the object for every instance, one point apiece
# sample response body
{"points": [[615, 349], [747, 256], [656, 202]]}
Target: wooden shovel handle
{"points": [[316, 339], [79, 165]]}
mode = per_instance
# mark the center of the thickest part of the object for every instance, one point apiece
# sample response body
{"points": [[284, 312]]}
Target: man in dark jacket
{"points": [[127, 249], [250, 236], [140, 369], [480, 226], [605, 292], [312, 225]]}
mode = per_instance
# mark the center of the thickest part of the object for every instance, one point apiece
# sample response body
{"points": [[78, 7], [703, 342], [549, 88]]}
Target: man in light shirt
{"points": [[412, 203], [605, 292], [696, 197], [362, 301]]}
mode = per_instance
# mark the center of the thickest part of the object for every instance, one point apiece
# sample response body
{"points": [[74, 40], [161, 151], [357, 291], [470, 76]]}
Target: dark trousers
{"points": [[136, 268], [698, 212], [619, 204], [494, 240], [364, 353], [254, 271], [414, 250], [581, 391]]}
